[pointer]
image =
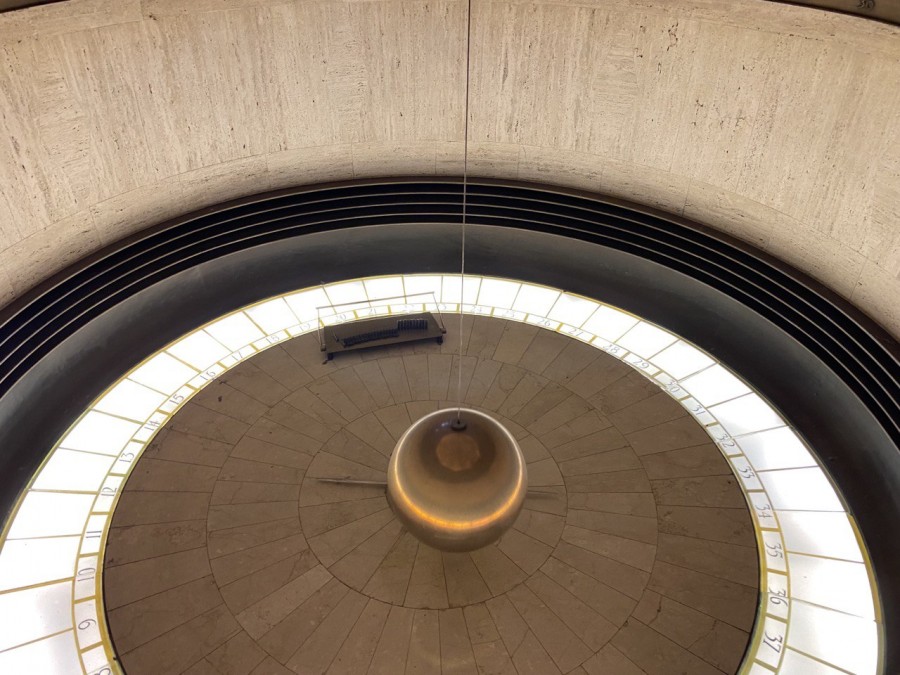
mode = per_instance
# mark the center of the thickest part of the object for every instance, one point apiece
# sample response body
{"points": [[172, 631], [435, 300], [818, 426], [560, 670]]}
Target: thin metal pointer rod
{"points": [[378, 483], [351, 481]]}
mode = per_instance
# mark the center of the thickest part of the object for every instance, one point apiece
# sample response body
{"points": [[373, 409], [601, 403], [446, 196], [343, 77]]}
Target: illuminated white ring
{"points": [[818, 600]]}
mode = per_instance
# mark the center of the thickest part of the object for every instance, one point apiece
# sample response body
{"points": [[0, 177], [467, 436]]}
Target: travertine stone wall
{"points": [[776, 123]]}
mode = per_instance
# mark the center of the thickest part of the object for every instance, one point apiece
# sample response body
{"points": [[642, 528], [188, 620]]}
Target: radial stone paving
{"points": [[634, 551]]}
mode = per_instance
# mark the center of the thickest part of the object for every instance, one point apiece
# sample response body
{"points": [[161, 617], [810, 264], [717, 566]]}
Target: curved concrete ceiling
{"points": [[778, 124]]}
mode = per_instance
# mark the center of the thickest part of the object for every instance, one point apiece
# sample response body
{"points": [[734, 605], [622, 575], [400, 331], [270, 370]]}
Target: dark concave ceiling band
{"points": [[829, 369], [834, 335]]}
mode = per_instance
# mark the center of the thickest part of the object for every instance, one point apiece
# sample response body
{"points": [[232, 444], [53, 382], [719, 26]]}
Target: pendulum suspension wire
{"points": [[465, 194]]}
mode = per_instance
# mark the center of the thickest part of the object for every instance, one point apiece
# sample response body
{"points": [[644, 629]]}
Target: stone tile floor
{"points": [[227, 555]]}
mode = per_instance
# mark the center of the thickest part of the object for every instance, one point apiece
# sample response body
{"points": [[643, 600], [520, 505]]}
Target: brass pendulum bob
{"points": [[457, 479]]}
